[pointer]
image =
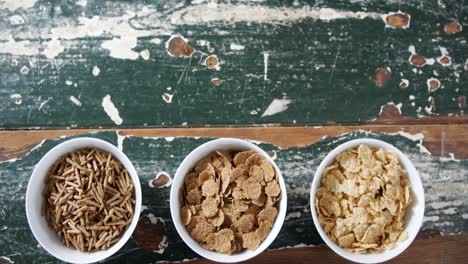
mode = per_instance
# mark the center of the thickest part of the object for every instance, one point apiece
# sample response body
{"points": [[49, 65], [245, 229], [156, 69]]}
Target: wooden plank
{"points": [[280, 62], [445, 181], [440, 140], [445, 249]]}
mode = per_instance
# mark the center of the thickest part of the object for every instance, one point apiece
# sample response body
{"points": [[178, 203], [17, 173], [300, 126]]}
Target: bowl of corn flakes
{"points": [[367, 201], [228, 200]]}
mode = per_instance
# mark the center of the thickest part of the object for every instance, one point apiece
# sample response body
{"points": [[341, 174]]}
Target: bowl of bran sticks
{"points": [[83, 200]]}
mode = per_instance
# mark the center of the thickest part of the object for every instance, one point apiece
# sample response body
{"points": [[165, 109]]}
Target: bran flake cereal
{"points": [[229, 201], [362, 200]]}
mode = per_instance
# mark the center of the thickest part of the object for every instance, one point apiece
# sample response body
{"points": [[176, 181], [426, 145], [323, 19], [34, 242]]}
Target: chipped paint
{"points": [[53, 48], [277, 106], [7, 259], [212, 62], [196, 15], [96, 71], [433, 84], [122, 48], [162, 179], [24, 70], [266, 55], [453, 27], [444, 59], [397, 20], [382, 75], [111, 110], [167, 97], [120, 140], [75, 100], [234, 46], [404, 83], [12, 5], [390, 110], [216, 81], [178, 46], [16, 98], [16, 20]]}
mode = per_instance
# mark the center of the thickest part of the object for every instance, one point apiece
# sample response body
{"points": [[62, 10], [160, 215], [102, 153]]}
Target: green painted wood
{"points": [[445, 183], [324, 65]]}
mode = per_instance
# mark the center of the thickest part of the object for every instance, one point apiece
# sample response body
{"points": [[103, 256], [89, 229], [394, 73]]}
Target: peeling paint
{"points": [[212, 62], [96, 71], [16, 98], [12, 5], [53, 48], [145, 54], [121, 48], [111, 110], [397, 20], [167, 97], [178, 46], [266, 55], [161, 180], [277, 106], [404, 83], [75, 100], [433, 84], [236, 46]]}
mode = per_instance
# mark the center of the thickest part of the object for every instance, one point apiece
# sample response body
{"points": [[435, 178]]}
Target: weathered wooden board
{"points": [[445, 182], [76, 63]]}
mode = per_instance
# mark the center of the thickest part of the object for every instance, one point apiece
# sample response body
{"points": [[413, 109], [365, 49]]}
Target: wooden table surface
{"points": [[297, 77]]}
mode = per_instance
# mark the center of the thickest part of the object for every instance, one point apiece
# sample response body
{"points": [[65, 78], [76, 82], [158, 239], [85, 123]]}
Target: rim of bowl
{"points": [[177, 182], [84, 142], [417, 210]]}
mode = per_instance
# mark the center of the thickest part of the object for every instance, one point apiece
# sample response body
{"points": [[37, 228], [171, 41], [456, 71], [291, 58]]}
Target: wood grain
{"points": [[438, 139], [436, 250]]}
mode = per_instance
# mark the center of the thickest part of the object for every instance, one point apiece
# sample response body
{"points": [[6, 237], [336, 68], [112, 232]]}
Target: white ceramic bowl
{"points": [[187, 164], [415, 214], [45, 235]]}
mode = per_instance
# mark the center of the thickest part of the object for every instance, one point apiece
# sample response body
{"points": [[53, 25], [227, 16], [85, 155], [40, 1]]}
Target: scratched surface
{"points": [[445, 183], [92, 63]]}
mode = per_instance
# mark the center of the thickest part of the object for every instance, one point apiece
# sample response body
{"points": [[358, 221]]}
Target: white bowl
{"points": [[187, 164], [45, 235], [415, 214]]}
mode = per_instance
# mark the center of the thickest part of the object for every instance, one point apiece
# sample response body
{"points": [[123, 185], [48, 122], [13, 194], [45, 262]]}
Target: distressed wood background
{"points": [[106, 63], [298, 77]]}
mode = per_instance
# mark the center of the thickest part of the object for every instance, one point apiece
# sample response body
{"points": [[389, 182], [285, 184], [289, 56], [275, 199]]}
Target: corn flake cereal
{"points": [[229, 201], [362, 200]]}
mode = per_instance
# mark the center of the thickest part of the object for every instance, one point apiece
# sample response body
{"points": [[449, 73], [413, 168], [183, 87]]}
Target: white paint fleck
{"points": [[12, 5], [265, 65], [111, 110], [412, 97], [96, 70], [292, 215], [413, 104], [82, 2], [169, 139], [145, 54], [162, 245], [440, 205], [143, 208], [253, 112], [53, 48], [121, 48], [203, 42], [432, 218], [234, 46], [14, 62], [68, 82], [120, 140], [24, 70], [167, 97], [415, 70], [75, 100], [412, 49], [277, 106], [16, 20], [384, 18], [156, 40], [199, 14], [16, 98], [44, 103]]}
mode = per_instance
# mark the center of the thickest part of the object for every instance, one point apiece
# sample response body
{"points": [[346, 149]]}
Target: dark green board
{"points": [[445, 183], [323, 64]]}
